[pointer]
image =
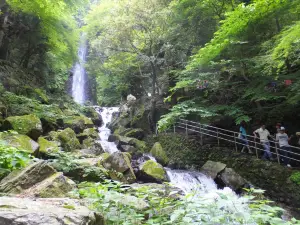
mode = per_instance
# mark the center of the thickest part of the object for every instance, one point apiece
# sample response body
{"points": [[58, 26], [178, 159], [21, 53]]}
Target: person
{"points": [[243, 137], [283, 140], [264, 135]]}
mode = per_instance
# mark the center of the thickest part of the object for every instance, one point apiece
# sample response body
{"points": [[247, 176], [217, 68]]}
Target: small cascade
{"points": [[79, 74], [190, 181], [104, 132]]}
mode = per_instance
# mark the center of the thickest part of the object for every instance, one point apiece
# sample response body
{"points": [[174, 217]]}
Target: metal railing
{"points": [[293, 154]]}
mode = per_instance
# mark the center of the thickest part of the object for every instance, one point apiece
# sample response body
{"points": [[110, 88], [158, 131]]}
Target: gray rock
{"points": [[232, 179], [212, 169], [24, 211], [17, 181], [128, 148]]}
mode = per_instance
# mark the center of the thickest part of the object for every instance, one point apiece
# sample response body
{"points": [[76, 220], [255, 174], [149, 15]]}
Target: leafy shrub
{"points": [[296, 178], [12, 158], [217, 207]]}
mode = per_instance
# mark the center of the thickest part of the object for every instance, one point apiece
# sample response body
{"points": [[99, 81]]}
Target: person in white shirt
{"points": [[264, 135], [283, 139]]}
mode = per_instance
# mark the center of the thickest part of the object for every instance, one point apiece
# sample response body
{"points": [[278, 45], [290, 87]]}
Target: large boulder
{"points": [[159, 154], [25, 211], [19, 141], [18, 181], [90, 112], [119, 167], [232, 179], [89, 132], [55, 186], [212, 169], [152, 171], [135, 133], [29, 125], [77, 123], [67, 138], [48, 147]]}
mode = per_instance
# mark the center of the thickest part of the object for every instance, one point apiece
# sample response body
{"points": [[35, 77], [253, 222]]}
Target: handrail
{"points": [[232, 136]]}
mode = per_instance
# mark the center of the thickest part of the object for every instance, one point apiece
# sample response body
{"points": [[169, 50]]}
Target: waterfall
{"points": [[104, 132], [191, 181], [79, 73]]}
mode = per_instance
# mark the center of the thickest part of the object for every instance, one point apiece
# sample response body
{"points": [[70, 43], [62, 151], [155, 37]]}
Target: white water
{"points": [[79, 74], [104, 132], [190, 181]]}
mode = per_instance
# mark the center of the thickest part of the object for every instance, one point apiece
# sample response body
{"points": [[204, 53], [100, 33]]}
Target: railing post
{"points": [[156, 129], [255, 147], [278, 158], [236, 149], [174, 128], [218, 137]]}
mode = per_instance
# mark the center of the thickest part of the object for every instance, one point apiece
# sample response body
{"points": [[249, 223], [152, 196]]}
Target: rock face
{"points": [[24, 211], [232, 179], [17, 181], [55, 186], [119, 162], [159, 154], [212, 169], [29, 125], [47, 147], [152, 171], [20, 141]]}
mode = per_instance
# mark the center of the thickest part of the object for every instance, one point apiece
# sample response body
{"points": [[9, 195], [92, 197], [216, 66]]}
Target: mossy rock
{"points": [[77, 123], [152, 171], [119, 167], [29, 125], [55, 186], [90, 112], [47, 147], [135, 133], [102, 158], [159, 154], [19, 141], [67, 138], [88, 133], [88, 143], [36, 93], [141, 146]]}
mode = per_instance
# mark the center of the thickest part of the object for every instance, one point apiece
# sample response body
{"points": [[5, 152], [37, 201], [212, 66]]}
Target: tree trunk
{"points": [[153, 97]]}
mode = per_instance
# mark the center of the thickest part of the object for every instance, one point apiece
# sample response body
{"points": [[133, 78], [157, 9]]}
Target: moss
{"points": [[69, 207], [140, 145], [41, 95], [91, 132], [77, 123], [159, 154], [88, 143], [68, 140], [47, 146], [153, 169], [19, 141], [29, 125], [134, 133]]}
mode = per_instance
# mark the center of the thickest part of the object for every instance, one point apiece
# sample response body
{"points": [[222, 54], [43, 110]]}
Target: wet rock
{"points": [[152, 171], [56, 186], [25, 211], [119, 163], [19, 141], [112, 138], [212, 169], [90, 112], [29, 125], [159, 154], [18, 181], [232, 179], [88, 153]]}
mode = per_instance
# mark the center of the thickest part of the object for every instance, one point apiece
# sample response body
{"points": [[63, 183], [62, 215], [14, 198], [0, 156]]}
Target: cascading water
{"points": [[79, 74], [104, 131], [190, 181]]}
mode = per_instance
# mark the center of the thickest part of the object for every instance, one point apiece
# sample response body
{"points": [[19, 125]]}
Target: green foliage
{"points": [[296, 178], [12, 158], [218, 207]]}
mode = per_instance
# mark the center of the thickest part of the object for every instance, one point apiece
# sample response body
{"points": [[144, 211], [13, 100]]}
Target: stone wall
{"points": [[186, 152]]}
